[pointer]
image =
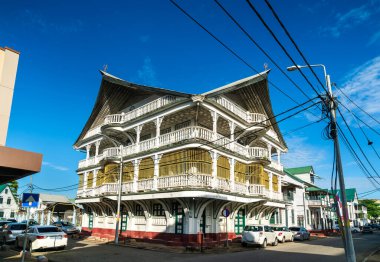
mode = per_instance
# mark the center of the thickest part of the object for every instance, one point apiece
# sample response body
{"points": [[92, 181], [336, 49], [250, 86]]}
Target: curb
{"points": [[370, 255]]}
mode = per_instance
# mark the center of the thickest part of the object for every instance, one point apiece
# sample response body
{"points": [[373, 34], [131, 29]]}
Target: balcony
{"points": [[240, 112], [317, 202], [125, 117], [181, 182], [179, 136], [142, 110]]}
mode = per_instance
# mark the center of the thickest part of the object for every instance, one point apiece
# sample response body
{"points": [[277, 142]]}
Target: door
{"points": [[240, 221], [178, 215], [90, 220], [124, 218], [202, 223]]}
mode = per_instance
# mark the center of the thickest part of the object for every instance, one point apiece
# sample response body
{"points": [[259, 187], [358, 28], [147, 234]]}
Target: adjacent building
{"points": [[184, 158], [14, 163], [8, 203]]}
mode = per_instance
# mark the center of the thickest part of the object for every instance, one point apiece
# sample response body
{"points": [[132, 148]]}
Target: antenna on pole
{"points": [[265, 66], [105, 67]]}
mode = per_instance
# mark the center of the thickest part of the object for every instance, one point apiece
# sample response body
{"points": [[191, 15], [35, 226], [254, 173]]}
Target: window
{"points": [[158, 210], [12, 214], [139, 211], [6, 191], [9, 201], [182, 125], [1, 200], [1, 214], [165, 131], [292, 216], [308, 216]]}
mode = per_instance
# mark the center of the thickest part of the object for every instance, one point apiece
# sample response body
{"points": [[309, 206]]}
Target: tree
{"points": [[13, 187], [373, 208]]}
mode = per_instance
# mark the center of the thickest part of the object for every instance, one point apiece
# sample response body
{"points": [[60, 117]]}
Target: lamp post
{"points": [[116, 143], [349, 245]]}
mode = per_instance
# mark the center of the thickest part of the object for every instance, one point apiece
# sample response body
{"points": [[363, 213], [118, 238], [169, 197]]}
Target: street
{"points": [[328, 249]]}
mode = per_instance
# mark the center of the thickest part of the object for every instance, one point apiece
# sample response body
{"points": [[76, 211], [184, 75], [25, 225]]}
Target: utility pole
{"points": [[349, 245], [119, 196]]}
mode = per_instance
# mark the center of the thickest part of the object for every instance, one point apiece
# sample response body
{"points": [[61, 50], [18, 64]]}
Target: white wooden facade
{"points": [[185, 158], [8, 203]]}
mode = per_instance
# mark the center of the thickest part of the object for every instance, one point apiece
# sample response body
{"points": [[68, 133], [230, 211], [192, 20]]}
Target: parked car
{"points": [[31, 222], [12, 220], [66, 227], [355, 229], [2, 223], [367, 229], [284, 234], [42, 237], [300, 233], [11, 231], [259, 235]]}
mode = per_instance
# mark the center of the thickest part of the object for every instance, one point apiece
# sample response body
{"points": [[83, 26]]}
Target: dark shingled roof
{"points": [[252, 93]]}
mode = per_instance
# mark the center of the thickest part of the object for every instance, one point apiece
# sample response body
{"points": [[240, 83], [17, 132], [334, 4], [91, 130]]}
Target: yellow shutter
{"points": [[223, 170], [90, 178]]}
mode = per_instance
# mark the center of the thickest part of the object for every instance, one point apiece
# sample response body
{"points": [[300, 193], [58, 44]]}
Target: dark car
{"points": [[66, 227], [367, 229], [300, 233], [31, 222]]}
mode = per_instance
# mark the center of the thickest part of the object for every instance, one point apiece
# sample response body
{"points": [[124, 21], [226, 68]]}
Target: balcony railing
{"points": [[181, 182], [178, 136], [317, 202], [142, 110], [240, 112]]}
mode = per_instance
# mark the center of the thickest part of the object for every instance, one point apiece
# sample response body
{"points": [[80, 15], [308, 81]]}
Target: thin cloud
{"points": [[147, 74], [352, 18], [362, 86], [301, 153], [54, 166]]}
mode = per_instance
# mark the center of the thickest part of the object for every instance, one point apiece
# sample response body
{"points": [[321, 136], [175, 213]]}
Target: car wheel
{"points": [[264, 244], [30, 245], [283, 240], [244, 244], [16, 244], [302, 238], [61, 248], [275, 243]]}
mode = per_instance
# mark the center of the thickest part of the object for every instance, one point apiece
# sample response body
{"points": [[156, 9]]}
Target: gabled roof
{"points": [[300, 170], [350, 193], [114, 92], [2, 187]]}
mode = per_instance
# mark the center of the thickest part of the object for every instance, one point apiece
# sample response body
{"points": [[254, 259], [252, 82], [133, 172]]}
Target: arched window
{"points": [[128, 172], [223, 170], [146, 168], [240, 172], [111, 172], [90, 178], [189, 161]]}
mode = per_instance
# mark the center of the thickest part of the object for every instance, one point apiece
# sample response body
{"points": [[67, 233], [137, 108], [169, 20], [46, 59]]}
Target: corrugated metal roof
{"points": [[300, 170]]}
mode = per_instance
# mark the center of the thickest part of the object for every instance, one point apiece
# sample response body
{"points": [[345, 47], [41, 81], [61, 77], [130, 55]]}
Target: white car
{"points": [[41, 237], [355, 230], [259, 235], [284, 234]]}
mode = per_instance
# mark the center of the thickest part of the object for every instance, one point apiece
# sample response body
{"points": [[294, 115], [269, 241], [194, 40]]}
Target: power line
{"points": [[281, 45], [295, 45], [357, 143], [374, 119], [66, 188]]}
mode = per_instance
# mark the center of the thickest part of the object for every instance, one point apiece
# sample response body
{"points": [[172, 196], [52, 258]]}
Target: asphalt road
{"points": [[319, 250]]}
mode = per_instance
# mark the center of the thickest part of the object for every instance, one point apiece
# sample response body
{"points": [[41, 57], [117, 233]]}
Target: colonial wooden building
{"points": [[185, 158]]}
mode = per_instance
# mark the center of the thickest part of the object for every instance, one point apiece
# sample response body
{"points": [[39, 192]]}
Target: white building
{"points": [[311, 207], [8, 203], [185, 158]]}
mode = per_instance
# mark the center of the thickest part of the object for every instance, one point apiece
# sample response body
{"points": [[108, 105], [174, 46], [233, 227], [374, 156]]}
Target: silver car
{"points": [[300, 233], [66, 227], [11, 231]]}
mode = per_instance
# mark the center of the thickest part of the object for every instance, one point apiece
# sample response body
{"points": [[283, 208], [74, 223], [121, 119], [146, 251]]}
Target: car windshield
{"points": [[48, 229], [253, 228], [16, 226], [279, 228], [66, 224], [294, 228]]}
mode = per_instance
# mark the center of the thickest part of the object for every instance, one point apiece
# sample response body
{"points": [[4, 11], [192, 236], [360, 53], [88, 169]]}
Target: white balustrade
{"points": [[145, 185], [276, 165], [240, 188], [158, 221], [240, 112], [256, 189], [147, 144], [139, 220], [223, 184], [142, 110]]}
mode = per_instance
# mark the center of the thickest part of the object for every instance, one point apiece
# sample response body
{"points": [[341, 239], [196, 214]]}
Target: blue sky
{"points": [[151, 42]]}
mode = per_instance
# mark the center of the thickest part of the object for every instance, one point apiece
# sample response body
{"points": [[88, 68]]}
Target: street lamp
{"points": [[117, 143], [349, 246]]}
